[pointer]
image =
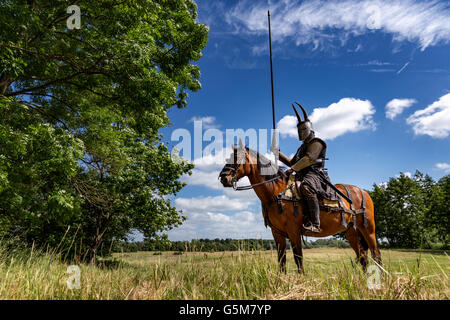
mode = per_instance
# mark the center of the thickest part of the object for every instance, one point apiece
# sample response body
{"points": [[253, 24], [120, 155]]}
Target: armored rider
{"points": [[309, 159]]}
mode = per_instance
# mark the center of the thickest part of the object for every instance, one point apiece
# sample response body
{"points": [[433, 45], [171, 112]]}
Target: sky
{"points": [[374, 77]]}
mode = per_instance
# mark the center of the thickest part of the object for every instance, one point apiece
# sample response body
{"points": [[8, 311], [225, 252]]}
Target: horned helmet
{"points": [[304, 127]]}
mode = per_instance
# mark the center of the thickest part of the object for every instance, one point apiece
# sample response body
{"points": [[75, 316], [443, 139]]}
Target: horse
{"points": [[359, 230]]}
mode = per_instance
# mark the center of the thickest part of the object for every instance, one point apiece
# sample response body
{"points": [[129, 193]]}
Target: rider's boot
{"points": [[314, 214]]}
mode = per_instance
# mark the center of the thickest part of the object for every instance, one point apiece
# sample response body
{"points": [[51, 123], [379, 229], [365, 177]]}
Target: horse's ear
{"points": [[233, 147]]}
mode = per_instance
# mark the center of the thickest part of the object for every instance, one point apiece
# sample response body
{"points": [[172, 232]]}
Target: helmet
{"points": [[304, 127]]}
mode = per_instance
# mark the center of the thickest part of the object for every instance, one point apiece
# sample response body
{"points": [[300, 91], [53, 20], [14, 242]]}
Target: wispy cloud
{"points": [[403, 68], [378, 63], [443, 166], [382, 70], [310, 22]]}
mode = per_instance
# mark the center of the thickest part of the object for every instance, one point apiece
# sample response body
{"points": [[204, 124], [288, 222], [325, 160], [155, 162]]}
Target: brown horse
{"points": [[249, 163]]}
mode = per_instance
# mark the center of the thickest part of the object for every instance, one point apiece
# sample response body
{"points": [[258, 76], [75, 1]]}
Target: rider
{"points": [[309, 159]]}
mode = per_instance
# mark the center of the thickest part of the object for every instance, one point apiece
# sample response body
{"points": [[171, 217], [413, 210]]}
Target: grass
{"points": [[330, 273]]}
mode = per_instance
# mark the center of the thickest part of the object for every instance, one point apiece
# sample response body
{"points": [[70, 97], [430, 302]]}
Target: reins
{"points": [[253, 185]]}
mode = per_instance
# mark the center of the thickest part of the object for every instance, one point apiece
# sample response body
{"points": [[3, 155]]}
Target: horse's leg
{"points": [[369, 232], [280, 240], [298, 255], [371, 241], [355, 242], [296, 242]]}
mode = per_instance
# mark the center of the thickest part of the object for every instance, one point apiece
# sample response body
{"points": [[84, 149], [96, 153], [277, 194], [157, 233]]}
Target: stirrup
{"points": [[311, 228]]}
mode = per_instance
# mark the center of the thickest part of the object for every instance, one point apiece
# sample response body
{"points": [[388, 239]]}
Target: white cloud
{"points": [[443, 166], [207, 169], [406, 174], [383, 185], [434, 120], [211, 225], [288, 126], [209, 179], [396, 107], [218, 203], [246, 195], [307, 22], [213, 161], [346, 115], [208, 122]]}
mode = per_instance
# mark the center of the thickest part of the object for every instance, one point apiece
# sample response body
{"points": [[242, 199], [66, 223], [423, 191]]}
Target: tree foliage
{"points": [[81, 156], [412, 212]]}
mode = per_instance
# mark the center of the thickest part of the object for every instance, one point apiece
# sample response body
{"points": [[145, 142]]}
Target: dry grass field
{"points": [[330, 273]]}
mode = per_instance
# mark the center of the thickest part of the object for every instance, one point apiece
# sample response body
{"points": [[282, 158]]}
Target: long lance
{"points": [[271, 71], [274, 146]]}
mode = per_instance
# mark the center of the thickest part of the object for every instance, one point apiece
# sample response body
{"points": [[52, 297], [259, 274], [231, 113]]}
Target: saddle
{"points": [[293, 193]]}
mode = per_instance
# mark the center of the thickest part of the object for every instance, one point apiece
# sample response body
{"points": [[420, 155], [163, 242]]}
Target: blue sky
{"points": [[374, 77]]}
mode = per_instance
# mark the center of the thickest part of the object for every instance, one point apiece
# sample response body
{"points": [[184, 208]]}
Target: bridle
{"points": [[233, 168]]}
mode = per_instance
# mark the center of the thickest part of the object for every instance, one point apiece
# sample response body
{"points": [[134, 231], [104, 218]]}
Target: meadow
{"points": [[330, 273]]}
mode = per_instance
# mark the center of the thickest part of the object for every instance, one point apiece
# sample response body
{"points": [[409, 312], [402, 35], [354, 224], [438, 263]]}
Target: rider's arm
{"points": [[312, 153], [284, 159]]}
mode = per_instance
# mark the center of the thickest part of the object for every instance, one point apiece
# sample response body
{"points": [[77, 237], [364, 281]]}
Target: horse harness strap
{"points": [[352, 210], [267, 222]]}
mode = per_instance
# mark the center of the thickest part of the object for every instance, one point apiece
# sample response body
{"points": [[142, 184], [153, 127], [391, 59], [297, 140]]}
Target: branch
{"points": [[42, 112], [92, 91], [36, 53], [60, 57], [48, 84], [53, 97]]}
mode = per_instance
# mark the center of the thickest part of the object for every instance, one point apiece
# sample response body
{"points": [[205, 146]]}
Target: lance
{"points": [[274, 146], [271, 71]]}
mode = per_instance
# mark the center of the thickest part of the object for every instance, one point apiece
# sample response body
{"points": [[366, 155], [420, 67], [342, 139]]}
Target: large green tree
{"points": [[411, 212], [438, 219], [81, 158]]}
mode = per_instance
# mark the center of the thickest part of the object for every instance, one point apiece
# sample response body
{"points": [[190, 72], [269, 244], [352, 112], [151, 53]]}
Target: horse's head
{"points": [[237, 166]]}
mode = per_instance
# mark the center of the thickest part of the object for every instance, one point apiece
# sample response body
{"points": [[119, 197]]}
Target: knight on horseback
{"points": [[308, 164]]}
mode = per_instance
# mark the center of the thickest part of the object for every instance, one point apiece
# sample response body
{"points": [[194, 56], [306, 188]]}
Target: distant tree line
{"points": [[207, 245]]}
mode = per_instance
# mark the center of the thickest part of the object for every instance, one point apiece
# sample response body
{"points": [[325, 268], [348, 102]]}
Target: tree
{"points": [[438, 219], [87, 105], [402, 208]]}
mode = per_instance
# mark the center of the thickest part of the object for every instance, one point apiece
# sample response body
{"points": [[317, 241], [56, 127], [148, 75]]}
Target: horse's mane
{"points": [[265, 164]]}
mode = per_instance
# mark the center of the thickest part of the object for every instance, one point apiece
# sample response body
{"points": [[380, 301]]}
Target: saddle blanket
{"points": [[292, 191]]}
